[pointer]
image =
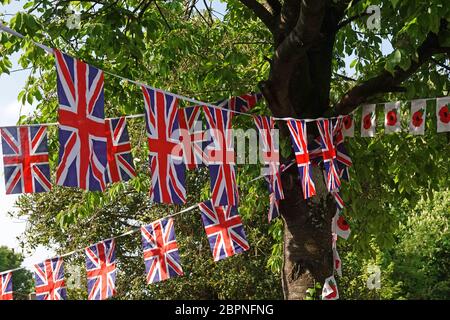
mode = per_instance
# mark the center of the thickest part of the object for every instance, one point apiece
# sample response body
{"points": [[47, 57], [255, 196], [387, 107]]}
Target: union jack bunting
{"points": [[224, 229], [6, 288], [299, 143], [166, 151], [25, 159], [120, 161], [337, 197], [101, 270], [49, 280], [162, 260], [243, 103], [326, 130], [192, 137], [343, 159], [221, 157], [270, 153], [82, 153]]}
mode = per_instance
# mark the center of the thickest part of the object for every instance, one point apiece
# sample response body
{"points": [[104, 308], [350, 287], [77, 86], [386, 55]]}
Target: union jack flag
{"points": [[270, 152], [339, 201], [166, 151], [6, 288], [25, 159], [224, 229], [343, 159], [221, 157], [49, 280], [192, 137], [82, 153], [299, 142], [101, 270], [120, 161], [243, 103], [274, 203], [326, 130], [162, 260]]}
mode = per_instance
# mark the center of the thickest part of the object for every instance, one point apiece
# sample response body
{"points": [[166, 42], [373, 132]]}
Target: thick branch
{"points": [[261, 12], [386, 82]]}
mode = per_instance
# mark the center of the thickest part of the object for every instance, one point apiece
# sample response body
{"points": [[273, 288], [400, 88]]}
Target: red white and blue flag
{"points": [[192, 137], [243, 103], [82, 153], [6, 286], [25, 159], [49, 280], [162, 260], [221, 157], [120, 161], [166, 151], [101, 270], [299, 142], [326, 130], [343, 159], [224, 229]]}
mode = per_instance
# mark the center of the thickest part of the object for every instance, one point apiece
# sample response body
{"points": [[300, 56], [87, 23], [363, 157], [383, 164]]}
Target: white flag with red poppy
{"points": [[418, 114], [340, 226], [348, 126], [368, 120], [443, 114], [337, 263], [392, 117], [330, 290]]}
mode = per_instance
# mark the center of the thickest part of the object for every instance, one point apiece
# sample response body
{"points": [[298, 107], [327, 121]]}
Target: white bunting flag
{"points": [[330, 290], [443, 114], [368, 120], [337, 263], [392, 117], [348, 127], [417, 117]]}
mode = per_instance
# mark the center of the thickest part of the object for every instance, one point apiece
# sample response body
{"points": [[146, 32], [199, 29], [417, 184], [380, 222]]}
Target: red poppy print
{"points": [[444, 115], [342, 223], [368, 121], [417, 118], [347, 122], [333, 294]]}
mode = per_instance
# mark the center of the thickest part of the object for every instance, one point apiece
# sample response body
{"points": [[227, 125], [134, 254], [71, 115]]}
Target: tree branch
{"points": [[351, 19], [386, 82], [275, 5], [261, 12]]}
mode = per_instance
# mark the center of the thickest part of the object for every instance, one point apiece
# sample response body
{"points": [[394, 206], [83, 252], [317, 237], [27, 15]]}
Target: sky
{"points": [[11, 109]]}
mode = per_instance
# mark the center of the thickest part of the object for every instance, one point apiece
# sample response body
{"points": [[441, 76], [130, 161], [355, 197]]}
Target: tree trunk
{"points": [[307, 239]]}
